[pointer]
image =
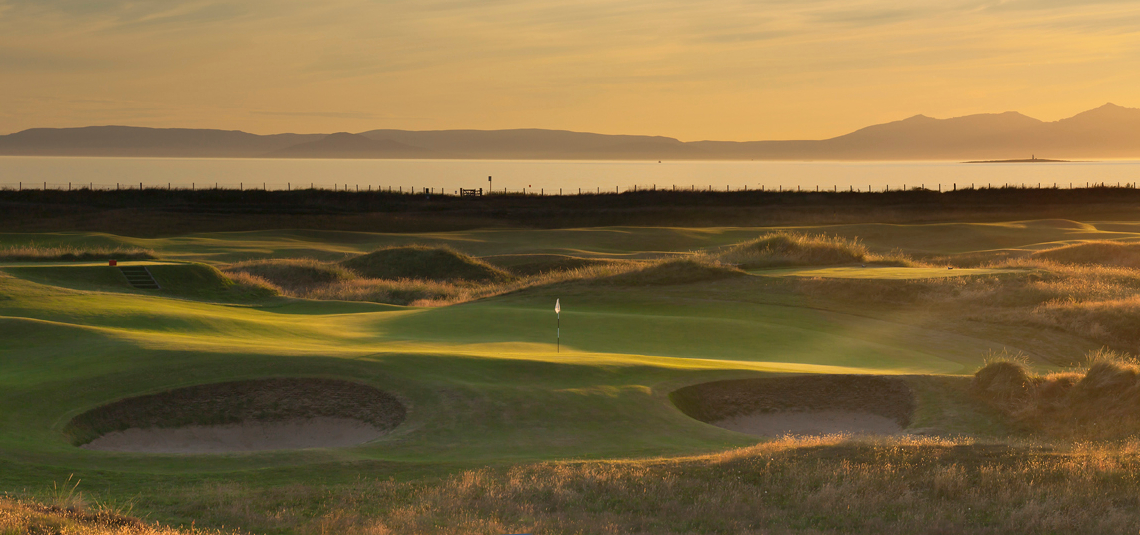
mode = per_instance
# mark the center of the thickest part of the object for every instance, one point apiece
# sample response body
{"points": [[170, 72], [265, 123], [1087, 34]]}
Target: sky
{"points": [[712, 69]]}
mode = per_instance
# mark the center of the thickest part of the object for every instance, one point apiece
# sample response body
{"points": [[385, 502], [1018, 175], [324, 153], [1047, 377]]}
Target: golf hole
{"points": [[806, 405], [241, 416]]}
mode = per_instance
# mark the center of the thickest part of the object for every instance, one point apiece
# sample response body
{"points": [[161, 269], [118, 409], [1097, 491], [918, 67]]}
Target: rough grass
{"points": [[1094, 252], [36, 253], [777, 249], [423, 262], [526, 265], [252, 284], [25, 517], [1099, 303], [421, 291], [1099, 401], [415, 292], [807, 485], [292, 274]]}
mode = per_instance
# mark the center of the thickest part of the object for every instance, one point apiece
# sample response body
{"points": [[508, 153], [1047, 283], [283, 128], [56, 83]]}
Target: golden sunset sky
{"points": [[716, 69]]}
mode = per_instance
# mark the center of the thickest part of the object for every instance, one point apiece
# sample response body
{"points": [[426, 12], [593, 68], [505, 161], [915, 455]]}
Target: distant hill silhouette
{"points": [[136, 141], [1109, 131], [535, 143], [345, 145]]}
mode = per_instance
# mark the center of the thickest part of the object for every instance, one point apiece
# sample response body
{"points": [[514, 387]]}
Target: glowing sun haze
{"points": [[717, 69]]}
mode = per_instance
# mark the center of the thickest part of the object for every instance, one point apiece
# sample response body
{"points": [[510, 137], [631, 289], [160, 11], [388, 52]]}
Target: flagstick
{"points": [[559, 335]]}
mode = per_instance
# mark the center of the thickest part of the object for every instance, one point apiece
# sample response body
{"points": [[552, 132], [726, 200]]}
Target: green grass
{"points": [[485, 381]]}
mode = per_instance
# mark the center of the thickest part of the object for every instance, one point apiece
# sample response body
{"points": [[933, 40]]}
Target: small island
{"points": [[1034, 159]]}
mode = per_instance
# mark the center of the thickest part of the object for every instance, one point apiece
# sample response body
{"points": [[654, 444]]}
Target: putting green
{"points": [[880, 272]]}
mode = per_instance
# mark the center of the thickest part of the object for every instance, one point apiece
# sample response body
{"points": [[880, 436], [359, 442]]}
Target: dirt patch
{"points": [[803, 405], [242, 416]]}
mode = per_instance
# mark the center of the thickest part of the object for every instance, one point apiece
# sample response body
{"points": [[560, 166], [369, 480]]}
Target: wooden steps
{"points": [[139, 277]]}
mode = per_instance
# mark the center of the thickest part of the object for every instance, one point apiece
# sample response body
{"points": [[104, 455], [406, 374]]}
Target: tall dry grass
{"points": [[310, 279], [419, 292], [1094, 252], [777, 249], [819, 485], [40, 253], [292, 274], [21, 517], [1100, 400]]}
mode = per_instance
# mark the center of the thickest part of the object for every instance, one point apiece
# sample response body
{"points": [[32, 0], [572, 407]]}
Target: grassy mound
{"points": [[292, 274], [34, 253], [792, 249], [884, 396], [538, 264], [263, 400], [682, 271], [199, 281], [422, 262], [1100, 402], [1098, 252]]}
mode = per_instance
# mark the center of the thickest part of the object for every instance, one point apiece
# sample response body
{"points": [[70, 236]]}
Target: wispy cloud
{"points": [[719, 68]]}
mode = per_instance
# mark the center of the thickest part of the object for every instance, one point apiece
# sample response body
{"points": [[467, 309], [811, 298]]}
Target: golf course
{"points": [[459, 401]]}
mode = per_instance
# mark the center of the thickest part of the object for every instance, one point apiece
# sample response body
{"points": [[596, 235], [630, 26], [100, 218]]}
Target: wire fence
{"points": [[430, 190]]}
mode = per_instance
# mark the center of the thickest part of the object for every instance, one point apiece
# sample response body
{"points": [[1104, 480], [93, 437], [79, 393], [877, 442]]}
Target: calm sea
{"points": [[543, 176]]}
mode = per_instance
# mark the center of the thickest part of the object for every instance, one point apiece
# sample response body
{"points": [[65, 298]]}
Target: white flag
{"points": [[557, 306]]}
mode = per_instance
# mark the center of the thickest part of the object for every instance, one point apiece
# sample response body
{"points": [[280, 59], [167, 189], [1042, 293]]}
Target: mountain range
{"points": [[1109, 131]]}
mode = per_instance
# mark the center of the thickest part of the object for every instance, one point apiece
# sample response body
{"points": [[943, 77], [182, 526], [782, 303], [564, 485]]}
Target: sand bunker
{"points": [[241, 416], [801, 405], [296, 434]]}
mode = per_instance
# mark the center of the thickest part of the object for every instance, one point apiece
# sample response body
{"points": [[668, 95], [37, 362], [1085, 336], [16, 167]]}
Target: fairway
{"points": [[484, 382]]}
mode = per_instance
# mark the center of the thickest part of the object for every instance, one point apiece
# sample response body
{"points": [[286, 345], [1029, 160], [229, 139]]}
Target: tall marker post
{"points": [[558, 332]]}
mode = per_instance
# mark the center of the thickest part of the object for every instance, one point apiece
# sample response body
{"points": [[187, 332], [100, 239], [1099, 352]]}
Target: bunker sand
{"points": [[300, 433]]}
